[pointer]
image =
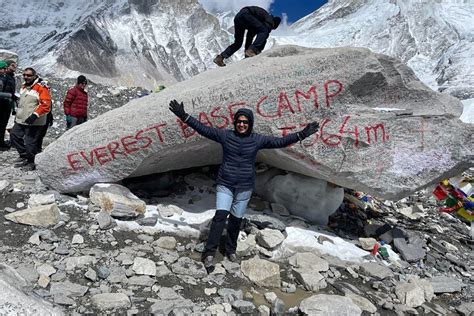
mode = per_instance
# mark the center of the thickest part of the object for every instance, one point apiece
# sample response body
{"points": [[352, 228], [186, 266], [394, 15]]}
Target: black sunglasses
{"points": [[242, 121], [27, 75]]}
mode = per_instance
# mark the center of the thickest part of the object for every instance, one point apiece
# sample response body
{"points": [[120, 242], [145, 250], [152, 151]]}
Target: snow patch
{"points": [[467, 115]]}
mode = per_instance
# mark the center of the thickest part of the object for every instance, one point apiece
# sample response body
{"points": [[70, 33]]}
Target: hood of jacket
{"points": [[249, 115]]}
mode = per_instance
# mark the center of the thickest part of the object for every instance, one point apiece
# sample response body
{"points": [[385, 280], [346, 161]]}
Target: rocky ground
{"points": [[84, 263]]}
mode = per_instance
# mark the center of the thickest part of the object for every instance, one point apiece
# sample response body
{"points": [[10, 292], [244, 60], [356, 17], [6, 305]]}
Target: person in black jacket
{"points": [[7, 98], [258, 22], [236, 176]]}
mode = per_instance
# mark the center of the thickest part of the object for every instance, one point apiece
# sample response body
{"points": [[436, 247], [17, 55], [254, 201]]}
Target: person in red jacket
{"points": [[75, 103]]}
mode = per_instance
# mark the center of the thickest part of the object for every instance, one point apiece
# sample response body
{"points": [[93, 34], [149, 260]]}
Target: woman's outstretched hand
{"points": [[309, 130], [178, 109]]}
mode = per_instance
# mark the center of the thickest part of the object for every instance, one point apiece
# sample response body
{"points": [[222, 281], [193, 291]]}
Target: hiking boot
{"points": [[232, 257], [30, 166], [219, 61], [208, 262], [19, 159], [22, 163], [4, 146], [250, 53]]}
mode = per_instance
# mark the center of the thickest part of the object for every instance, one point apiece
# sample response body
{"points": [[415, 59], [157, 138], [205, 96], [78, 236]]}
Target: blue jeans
{"points": [[233, 200]]}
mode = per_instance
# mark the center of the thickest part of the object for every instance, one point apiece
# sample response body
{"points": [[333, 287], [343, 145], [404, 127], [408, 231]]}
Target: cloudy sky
{"points": [[294, 9]]}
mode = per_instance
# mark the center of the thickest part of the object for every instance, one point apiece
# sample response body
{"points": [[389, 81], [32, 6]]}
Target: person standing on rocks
{"points": [[49, 122], [258, 22], [236, 177], [34, 105], [75, 103], [7, 98]]}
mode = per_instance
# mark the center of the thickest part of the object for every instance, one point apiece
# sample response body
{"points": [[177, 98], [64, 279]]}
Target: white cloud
{"points": [[233, 5]]}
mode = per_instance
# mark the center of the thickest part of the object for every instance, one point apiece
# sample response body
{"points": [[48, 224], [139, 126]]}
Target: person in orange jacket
{"points": [[31, 116]]}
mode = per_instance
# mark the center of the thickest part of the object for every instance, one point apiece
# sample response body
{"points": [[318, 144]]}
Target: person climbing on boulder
{"points": [[236, 176], [258, 22]]}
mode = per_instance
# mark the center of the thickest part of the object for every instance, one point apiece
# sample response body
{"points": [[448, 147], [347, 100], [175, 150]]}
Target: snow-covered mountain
{"points": [[129, 42], [435, 38], [150, 42]]}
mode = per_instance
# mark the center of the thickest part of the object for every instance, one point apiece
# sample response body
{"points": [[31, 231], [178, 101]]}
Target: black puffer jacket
{"points": [[239, 151], [262, 15], [7, 89]]}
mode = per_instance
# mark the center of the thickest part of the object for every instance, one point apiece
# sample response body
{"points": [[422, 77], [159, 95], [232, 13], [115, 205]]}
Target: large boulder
{"points": [[382, 130]]}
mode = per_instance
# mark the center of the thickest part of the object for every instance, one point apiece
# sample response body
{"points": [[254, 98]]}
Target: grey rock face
{"points": [[346, 90]]}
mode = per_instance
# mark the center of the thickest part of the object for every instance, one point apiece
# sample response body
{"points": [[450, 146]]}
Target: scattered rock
{"points": [[111, 300], [243, 307], [466, 309], [105, 220], [309, 261], [331, 305], [77, 239], [41, 199], [270, 238], [144, 266], [367, 243], [261, 272], [44, 215], [376, 270], [363, 303], [46, 269], [67, 288], [444, 284], [117, 200], [166, 242]]}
